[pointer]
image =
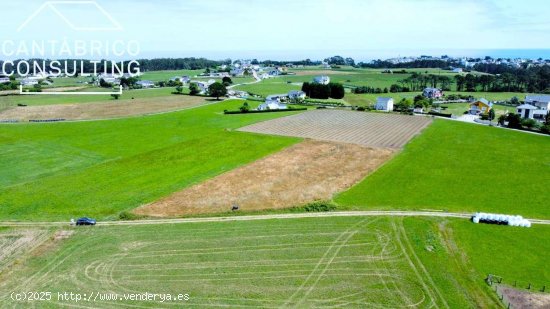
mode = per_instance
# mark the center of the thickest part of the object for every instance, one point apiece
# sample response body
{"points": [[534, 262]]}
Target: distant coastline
{"points": [[358, 55]]}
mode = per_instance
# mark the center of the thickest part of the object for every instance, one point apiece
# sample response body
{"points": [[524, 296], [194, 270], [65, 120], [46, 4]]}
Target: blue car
{"points": [[85, 221]]}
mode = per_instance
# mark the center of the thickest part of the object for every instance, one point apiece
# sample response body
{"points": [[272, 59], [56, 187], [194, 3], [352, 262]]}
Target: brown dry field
{"points": [[75, 88], [113, 109], [302, 173], [321, 72], [15, 244], [362, 128]]}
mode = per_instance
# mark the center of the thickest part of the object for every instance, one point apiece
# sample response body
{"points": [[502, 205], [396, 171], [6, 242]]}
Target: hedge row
{"points": [[264, 111], [440, 114]]}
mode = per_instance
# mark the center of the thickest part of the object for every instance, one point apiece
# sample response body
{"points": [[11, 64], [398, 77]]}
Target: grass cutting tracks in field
{"points": [[329, 263]]}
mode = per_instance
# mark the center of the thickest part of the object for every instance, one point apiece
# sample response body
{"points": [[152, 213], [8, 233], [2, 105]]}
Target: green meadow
{"points": [[454, 166], [63, 170]]}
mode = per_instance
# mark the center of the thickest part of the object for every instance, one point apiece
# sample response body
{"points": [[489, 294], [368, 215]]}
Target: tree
{"points": [[227, 81], [179, 89], [337, 91], [194, 89], [115, 96], [217, 90], [514, 101], [244, 108]]}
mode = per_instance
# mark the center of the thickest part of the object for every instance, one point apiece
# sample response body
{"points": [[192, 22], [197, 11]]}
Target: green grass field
{"points": [[457, 166], [318, 262], [63, 170]]}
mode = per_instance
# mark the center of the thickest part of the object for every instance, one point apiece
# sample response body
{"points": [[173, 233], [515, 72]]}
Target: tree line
{"points": [[320, 91]]}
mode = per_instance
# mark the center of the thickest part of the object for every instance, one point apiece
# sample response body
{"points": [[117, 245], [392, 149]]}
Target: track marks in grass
{"points": [[420, 271]]}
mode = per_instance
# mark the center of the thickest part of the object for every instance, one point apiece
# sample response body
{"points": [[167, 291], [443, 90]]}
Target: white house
{"points": [[535, 107], [432, 93], [204, 85], [296, 95], [384, 104], [4, 80], [323, 80], [146, 83], [458, 70], [272, 105], [237, 72]]}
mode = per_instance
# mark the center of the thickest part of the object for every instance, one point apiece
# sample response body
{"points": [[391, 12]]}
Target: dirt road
{"points": [[269, 217]]}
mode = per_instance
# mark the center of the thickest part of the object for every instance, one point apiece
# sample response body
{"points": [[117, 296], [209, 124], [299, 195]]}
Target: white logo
{"points": [[55, 7]]}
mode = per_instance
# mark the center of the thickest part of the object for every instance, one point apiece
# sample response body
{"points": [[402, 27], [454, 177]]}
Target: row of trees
{"points": [[319, 91], [535, 79], [367, 89], [419, 81]]}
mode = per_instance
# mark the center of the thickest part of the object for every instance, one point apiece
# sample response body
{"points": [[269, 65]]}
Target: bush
{"points": [[361, 108], [514, 121], [319, 206], [545, 129], [245, 108], [529, 123], [128, 216]]}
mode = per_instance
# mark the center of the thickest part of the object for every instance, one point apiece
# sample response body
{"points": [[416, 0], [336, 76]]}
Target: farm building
{"points": [[296, 95], [481, 106], [323, 80], [146, 83], [432, 93], [384, 104], [535, 107]]}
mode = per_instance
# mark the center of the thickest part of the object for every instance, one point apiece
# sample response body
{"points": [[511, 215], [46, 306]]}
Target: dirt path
{"points": [[111, 109], [302, 173], [374, 213]]}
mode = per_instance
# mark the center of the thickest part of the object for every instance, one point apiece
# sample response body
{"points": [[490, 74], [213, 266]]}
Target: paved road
{"points": [[268, 217]]}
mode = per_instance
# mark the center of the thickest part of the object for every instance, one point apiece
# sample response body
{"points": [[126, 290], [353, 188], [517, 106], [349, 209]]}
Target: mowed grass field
{"points": [[65, 170], [349, 262], [456, 166]]}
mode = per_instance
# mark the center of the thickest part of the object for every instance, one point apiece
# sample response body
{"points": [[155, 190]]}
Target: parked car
{"points": [[85, 221]]}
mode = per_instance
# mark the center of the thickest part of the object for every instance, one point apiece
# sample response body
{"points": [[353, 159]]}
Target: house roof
{"points": [[537, 98], [526, 106], [383, 100]]}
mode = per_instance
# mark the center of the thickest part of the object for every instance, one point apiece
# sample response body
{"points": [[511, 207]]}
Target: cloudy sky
{"points": [[290, 28]]}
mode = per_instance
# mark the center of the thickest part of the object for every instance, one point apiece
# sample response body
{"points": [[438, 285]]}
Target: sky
{"points": [[286, 29]]}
